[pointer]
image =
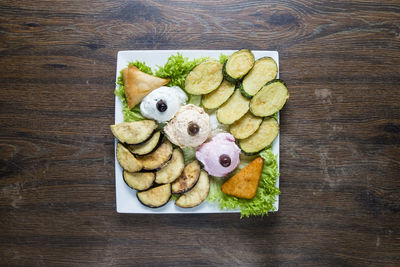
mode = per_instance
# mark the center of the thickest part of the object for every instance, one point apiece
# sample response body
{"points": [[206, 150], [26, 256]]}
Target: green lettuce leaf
{"points": [[133, 114], [223, 58], [266, 194], [189, 154], [177, 68]]}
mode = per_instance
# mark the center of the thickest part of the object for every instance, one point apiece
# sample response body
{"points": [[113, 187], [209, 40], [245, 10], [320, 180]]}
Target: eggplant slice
{"points": [[158, 158], [197, 194], [172, 170], [155, 197], [148, 146], [127, 160], [134, 132], [188, 178], [139, 180]]}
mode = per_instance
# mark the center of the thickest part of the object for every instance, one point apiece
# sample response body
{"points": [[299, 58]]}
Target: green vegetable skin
{"points": [[177, 68]]}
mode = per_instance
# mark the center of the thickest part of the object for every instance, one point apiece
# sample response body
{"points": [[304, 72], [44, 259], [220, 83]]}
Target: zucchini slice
{"points": [[127, 160], [133, 132], [264, 71], [197, 194], [155, 197], [219, 96], [246, 126], [233, 109], [157, 158], [204, 78], [188, 178], [173, 169], [270, 99], [262, 138], [148, 146], [139, 180], [238, 65]]}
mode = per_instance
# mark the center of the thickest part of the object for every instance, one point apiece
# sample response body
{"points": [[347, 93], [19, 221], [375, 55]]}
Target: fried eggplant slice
{"points": [[188, 178], [139, 180], [155, 197], [127, 160], [148, 146], [197, 194], [157, 158], [172, 170], [133, 132]]}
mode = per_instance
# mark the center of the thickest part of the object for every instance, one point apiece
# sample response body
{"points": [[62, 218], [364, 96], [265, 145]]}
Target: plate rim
{"points": [[117, 119]]}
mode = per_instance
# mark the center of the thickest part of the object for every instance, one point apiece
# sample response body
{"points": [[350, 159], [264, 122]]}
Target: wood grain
{"points": [[340, 133]]}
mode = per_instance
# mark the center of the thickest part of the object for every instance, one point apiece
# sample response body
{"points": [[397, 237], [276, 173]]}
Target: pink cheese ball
{"points": [[209, 154]]}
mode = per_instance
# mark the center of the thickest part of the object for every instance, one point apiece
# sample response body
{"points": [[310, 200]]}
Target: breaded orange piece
{"points": [[244, 184]]}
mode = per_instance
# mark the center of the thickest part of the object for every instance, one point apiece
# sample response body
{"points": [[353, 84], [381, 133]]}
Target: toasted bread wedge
{"points": [[138, 84], [244, 184]]}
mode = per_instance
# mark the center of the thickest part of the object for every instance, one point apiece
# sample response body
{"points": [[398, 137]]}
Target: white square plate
{"points": [[125, 196]]}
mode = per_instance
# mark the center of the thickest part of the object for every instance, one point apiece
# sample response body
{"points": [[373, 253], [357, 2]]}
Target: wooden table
{"points": [[340, 133]]}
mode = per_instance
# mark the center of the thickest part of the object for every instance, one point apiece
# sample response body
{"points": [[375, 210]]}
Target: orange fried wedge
{"points": [[244, 184], [139, 84]]}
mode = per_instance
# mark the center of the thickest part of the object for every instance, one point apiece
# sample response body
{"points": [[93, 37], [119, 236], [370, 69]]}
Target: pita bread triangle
{"points": [[138, 84], [244, 184]]}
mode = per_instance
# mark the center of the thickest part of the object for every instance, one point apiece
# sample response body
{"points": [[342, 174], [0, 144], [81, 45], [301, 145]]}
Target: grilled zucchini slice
{"points": [[158, 158], [155, 197], [233, 109], [264, 71], [127, 160], [219, 96], [262, 138], [197, 194], [148, 146], [139, 180], [238, 65], [270, 99], [204, 78], [133, 132], [173, 169], [188, 178], [246, 126]]}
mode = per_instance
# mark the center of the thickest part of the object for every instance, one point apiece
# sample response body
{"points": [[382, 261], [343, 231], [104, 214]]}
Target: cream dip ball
{"points": [[162, 103]]}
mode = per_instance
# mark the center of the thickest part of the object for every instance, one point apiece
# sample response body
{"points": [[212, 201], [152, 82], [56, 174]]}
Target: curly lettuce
{"points": [[177, 68], [266, 194], [133, 114]]}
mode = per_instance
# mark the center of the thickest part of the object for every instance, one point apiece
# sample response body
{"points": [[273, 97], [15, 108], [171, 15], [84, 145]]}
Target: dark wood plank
{"points": [[340, 133]]}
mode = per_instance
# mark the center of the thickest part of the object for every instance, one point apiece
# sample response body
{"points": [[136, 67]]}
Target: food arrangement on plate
{"points": [[201, 130]]}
